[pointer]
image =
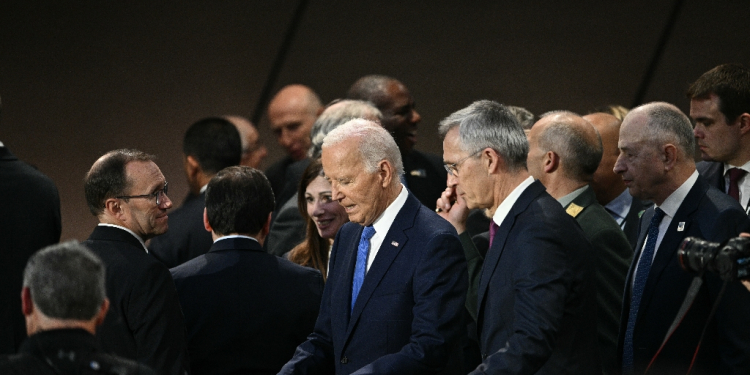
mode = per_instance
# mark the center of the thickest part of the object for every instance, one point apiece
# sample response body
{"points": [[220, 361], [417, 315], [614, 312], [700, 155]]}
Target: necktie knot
{"points": [[735, 174], [658, 215], [368, 232]]}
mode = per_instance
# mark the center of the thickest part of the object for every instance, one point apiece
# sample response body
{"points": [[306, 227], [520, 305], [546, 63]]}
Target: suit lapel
{"points": [[501, 236], [394, 241], [672, 239]]}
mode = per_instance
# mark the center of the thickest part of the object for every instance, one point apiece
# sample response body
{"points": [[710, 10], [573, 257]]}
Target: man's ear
{"points": [[102, 312], [27, 304], [492, 161], [192, 168], [744, 123], [387, 172], [113, 207], [669, 156], [206, 224], [551, 162]]}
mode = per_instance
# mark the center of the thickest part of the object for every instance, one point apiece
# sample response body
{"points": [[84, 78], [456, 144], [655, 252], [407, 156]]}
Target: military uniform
{"points": [[67, 351]]}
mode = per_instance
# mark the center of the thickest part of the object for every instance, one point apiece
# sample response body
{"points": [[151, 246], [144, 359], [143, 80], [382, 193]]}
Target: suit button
{"points": [[344, 360]]}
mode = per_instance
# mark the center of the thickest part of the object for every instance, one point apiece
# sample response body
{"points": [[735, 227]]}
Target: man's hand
{"points": [[453, 208]]}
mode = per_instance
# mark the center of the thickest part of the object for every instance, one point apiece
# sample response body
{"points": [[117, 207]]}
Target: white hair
{"points": [[375, 143]]}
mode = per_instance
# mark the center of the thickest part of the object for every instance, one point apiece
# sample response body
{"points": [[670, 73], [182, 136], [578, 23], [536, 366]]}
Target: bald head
{"points": [[253, 151], [606, 183], [574, 143], [337, 114], [393, 99], [292, 113]]}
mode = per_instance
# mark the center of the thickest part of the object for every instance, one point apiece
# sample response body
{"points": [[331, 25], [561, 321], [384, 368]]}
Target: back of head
{"points": [[337, 114], [667, 124], [613, 109], [66, 281], [375, 144], [729, 82], [371, 88], [238, 200], [486, 123], [214, 142], [107, 178], [576, 142], [525, 118]]}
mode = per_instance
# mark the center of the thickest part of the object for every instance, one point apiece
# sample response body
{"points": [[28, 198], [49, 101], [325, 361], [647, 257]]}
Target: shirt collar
{"points": [[570, 197], [620, 205], [674, 200], [235, 236], [203, 188], [745, 167], [127, 230], [384, 221], [504, 208]]}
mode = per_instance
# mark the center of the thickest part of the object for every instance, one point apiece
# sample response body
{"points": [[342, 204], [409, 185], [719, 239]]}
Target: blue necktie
{"points": [[360, 268], [644, 266]]}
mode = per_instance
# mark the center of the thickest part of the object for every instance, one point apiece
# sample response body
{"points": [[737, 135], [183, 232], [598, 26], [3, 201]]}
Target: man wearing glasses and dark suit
{"points": [[127, 192]]}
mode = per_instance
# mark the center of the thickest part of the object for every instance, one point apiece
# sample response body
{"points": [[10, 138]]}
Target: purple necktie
{"points": [[493, 230], [735, 174]]}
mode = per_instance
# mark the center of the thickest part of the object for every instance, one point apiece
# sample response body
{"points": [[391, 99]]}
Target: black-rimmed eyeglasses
{"points": [[157, 194], [452, 169]]}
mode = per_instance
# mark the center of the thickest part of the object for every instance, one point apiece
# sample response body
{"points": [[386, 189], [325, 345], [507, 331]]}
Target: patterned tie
{"points": [[644, 265], [360, 268], [735, 174], [493, 230]]}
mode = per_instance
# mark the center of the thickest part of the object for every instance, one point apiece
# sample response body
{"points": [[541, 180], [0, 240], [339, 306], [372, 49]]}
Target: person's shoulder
{"points": [[102, 363], [279, 166], [23, 364], [709, 167]]}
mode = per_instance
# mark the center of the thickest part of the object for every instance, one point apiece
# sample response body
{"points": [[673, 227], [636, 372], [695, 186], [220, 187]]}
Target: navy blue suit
{"points": [[245, 310], [709, 214], [409, 313], [536, 296]]}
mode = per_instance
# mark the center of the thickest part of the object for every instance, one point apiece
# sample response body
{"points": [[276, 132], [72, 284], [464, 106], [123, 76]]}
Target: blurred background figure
{"points": [[253, 150]]}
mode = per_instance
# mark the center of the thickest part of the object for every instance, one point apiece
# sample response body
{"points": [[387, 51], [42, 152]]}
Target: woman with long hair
{"points": [[323, 215]]}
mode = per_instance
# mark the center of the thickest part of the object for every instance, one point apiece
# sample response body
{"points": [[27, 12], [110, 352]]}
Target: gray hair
{"points": [[486, 123], [375, 143], [66, 281], [667, 124], [579, 154], [336, 115]]}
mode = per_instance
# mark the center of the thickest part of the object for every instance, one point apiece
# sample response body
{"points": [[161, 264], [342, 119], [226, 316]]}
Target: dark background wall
{"points": [[80, 78]]}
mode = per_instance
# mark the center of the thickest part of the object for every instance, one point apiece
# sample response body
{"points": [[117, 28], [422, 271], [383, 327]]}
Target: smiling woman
{"points": [[323, 215]]}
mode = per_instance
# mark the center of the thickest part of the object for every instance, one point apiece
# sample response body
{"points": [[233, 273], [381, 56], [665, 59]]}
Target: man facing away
{"points": [[656, 163], [564, 152], [245, 310], [720, 107], [63, 299], [397, 277], [127, 193], [209, 146], [535, 292]]}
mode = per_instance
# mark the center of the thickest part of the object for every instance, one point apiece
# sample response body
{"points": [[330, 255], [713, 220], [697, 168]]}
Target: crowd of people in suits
{"points": [[532, 245]]}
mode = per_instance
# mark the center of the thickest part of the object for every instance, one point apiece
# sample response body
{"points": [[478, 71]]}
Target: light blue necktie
{"points": [[360, 268], [644, 266]]}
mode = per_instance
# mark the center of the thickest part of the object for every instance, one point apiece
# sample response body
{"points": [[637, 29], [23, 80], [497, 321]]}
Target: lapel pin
{"points": [[681, 226], [394, 243]]}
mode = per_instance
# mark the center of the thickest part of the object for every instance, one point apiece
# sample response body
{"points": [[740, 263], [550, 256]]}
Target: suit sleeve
{"points": [[439, 288], [158, 324]]}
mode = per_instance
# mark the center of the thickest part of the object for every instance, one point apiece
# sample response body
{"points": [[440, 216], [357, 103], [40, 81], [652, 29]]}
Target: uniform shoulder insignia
{"points": [[574, 209], [418, 173]]}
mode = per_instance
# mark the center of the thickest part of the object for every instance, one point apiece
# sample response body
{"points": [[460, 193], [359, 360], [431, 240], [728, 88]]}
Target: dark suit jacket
{"points": [[713, 173], [613, 255], [633, 220], [537, 296], [245, 310], [30, 220], [710, 214], [287, 230], [425, 176], [187, 237], [409, 313], [144, 322], [276, 175]]}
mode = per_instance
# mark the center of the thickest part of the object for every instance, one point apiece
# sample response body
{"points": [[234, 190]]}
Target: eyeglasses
{"points": [[452, 169], [157, 194]]}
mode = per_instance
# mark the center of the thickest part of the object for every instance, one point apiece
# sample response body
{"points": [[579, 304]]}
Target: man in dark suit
{"points": [[656, 147], [245, 310], [564, 152], [291, 113], [64, 301], [393, 302], [608, 187], [127, 193], [720, 107], [288, 226], [30, 220], [424, 175], [209, 146], [536, 296]]}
